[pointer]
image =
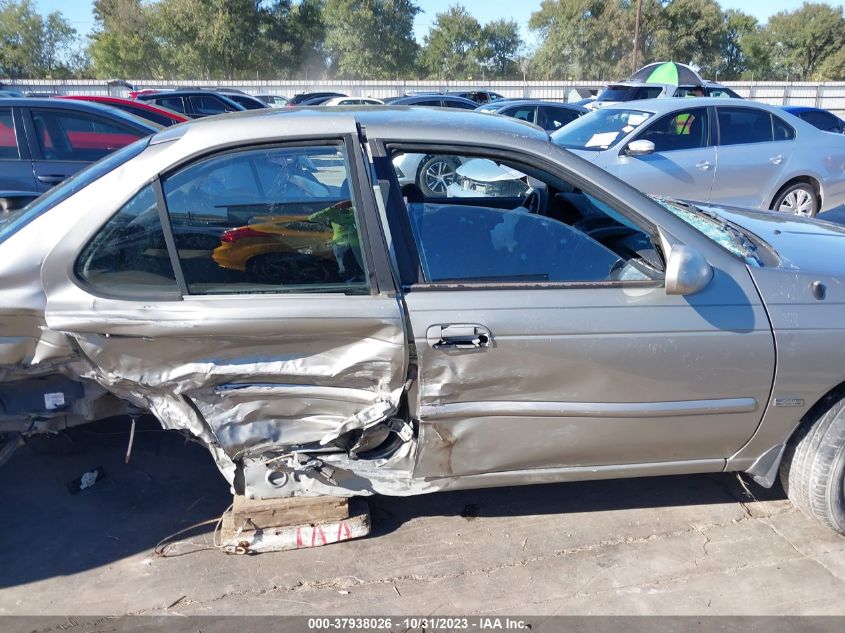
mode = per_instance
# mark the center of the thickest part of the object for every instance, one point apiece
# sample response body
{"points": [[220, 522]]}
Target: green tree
{"points": [[693, 32], [738, 27], [124, 42], [452, 48], [32, 45], [587, 39], [806, 37], [371, 39], [500, 46]]}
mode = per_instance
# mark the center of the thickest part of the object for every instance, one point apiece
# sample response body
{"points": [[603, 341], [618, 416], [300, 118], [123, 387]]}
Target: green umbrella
{"points": [[671, 73]]}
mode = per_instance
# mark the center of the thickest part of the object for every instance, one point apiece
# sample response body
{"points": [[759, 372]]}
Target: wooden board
{"points": [[259, 514]]}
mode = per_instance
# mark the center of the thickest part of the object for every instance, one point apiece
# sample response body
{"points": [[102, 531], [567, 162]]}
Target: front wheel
{"points": [[813, 469], [798, 199]]}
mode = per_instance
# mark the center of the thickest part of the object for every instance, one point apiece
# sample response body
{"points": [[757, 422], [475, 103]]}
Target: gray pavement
{"points": [[673, 545]]}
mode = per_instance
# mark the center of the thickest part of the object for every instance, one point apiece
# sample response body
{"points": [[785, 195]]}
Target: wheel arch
{"points": [[809, 179], [765, 469]]}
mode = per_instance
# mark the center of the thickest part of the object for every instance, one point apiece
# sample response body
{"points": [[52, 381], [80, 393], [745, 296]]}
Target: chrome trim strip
{"points": [[587, 409]]}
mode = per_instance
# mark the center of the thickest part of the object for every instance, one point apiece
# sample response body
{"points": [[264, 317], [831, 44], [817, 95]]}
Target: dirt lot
{"points": [[675, 545]]}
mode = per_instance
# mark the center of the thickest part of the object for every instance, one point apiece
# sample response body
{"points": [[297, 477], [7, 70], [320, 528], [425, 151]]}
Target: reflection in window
{"points": [[499, 225], [679, 130], [128, 256], [270, 220]]}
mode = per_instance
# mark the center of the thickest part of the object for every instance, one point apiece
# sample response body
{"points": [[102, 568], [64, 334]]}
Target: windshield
{"points": [[13, 222], [717, 229], [599, 129]]}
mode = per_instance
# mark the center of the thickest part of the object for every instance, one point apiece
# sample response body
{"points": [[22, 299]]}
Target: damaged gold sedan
{"points": [[263, 282]]}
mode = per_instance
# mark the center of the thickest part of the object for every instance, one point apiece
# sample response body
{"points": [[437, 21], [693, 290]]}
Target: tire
{"points": [[435, 174], [813, 469], [288, 269], [800, 198]]}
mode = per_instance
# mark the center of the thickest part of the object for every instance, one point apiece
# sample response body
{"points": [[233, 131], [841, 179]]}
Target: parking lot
{"points": [[675, 545]]}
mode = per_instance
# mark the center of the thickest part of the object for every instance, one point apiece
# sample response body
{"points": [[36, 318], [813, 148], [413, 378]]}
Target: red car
{"points": [[148, 111]]}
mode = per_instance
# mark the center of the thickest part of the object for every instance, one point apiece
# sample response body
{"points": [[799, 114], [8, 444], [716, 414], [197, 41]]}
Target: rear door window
{"points": [[8, 139], [171, 103], [207, 105], [738, 126], [523, 113], [555, 118], [277, 220], [77, 136]]}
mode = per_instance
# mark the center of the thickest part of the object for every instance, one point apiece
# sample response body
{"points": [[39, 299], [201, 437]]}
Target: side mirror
{"points": [[639, 148], [687, 272]]}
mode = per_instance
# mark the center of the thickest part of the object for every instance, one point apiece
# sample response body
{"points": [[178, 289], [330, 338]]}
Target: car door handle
{"points": [[704, 165], [459, 336], [51, 179], [776, 160]]}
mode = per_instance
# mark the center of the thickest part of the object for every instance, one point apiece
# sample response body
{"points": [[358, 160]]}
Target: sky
{"points": [[78, 12]]}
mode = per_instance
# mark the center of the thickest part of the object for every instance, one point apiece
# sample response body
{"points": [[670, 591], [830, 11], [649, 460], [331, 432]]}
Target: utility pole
{"points": [[637, 34]]}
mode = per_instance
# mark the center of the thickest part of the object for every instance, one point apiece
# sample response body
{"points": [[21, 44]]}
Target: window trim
{"points": [[416, 281], [356, 194], [675, 113], [35, 143], [771, 127]]}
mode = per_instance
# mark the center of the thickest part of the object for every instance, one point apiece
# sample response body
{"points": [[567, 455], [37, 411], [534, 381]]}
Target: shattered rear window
{"points": [[720, 231]]}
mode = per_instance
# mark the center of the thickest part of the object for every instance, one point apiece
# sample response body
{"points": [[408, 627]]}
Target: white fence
{"points": [[829, 95]]}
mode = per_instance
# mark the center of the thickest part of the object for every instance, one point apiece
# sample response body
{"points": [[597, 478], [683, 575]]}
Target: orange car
{"points": [[276, 246]]}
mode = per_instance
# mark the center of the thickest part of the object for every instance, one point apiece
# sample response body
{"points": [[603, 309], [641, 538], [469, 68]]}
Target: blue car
{"points": [[819, 118]]}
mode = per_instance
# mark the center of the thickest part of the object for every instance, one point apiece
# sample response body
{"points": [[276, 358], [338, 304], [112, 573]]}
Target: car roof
{"points": [[428, 97], [797, 108], [78, 104], [520, 102], [663, 106], [143, 105], [440, 125]]}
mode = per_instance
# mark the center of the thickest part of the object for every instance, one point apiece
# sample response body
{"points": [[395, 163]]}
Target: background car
{"points": [[195, 104], [13, 201], [149, 111], [10, 93], [734, 152], [622, 92], [248, 101], [43, 141], [302, 97], [821, 119], [345, 101], [549, 115], [437, 101], [478, 96], [274, 101]]}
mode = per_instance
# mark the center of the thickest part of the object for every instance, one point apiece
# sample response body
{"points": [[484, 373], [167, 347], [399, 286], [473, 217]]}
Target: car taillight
{"points": [[233, 235]]}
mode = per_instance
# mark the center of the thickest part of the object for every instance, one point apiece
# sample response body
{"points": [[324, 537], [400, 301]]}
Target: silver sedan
{"points": [[259, 282], [712, 150]]}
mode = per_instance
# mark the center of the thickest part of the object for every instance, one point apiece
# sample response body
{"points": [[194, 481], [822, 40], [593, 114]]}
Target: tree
{"points": [[806, 37], [371, 39], [500, 46], [694, 32], [32, 45], [588, 39], [738, 27], [452, 47], [124, 42]]}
